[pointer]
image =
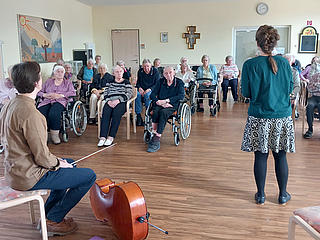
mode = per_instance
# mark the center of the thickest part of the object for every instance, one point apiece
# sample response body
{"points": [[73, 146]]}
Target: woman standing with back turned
{"points": [[267, 81]]}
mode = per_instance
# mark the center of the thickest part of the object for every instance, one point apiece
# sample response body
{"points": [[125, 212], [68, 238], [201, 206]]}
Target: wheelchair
{"points": [[180, 121], [190, 96], [74, 117], [214, 90]]}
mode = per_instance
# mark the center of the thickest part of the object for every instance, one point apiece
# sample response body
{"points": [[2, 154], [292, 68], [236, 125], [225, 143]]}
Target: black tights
{"points": [[281, 168]]}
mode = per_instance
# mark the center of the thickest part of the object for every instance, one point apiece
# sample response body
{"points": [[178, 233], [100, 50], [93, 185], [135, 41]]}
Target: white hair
{"points": [[115, 67], [103, 65], [120, 62], [183, 58], [90, 60], [57, 67]]}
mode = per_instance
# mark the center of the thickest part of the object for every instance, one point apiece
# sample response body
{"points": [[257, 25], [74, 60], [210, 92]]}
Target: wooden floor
{"points": [[202, 189]]}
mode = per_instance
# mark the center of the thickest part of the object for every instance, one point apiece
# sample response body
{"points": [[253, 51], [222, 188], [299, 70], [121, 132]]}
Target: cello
{"points": [[123, 206]]}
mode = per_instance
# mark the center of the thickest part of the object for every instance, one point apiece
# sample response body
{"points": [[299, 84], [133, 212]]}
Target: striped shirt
{"points": [[122, 91], [226, 70]]}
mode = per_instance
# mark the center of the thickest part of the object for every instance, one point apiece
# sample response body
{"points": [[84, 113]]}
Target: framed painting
{"points": [[164, 37], [308, 40], [39, 39]]}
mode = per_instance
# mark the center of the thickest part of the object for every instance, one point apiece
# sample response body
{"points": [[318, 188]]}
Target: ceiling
{"points": [[137, 2]]}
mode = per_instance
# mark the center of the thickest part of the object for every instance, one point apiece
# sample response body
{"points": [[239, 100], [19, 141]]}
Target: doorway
{"points": [[125, 46], [245, 45]]}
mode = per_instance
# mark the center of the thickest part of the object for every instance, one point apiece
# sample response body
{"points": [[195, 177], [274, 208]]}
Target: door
{"points": [[125, 46], [246, 46]]}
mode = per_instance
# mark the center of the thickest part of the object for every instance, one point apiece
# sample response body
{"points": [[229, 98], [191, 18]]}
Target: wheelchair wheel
{"points": [[65, 137], [176, 139], [147, 136], [1, 149], [185, 121], [79, 118]]}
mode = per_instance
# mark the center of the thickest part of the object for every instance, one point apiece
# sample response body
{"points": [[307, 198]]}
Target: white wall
{"points": [[76, 25], [214, 20]]}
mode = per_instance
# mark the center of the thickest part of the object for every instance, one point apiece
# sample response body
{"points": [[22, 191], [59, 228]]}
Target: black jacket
{"points": [[174, 93], [146, 81], [99, 83]]}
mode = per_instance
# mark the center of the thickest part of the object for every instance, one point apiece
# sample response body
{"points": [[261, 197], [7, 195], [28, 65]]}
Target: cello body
{"points": [[120, 205]]}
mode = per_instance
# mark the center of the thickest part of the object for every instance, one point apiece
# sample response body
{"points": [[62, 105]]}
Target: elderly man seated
{"points": [[7, 90], [99, 83], [148, 76], [313, 101], [166, 96]]}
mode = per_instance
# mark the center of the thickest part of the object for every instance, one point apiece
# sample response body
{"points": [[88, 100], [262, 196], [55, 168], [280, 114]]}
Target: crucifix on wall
{"points": [[191, 36]]}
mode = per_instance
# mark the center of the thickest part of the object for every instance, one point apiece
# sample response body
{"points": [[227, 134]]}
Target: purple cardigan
{"points": [[66, 88]]}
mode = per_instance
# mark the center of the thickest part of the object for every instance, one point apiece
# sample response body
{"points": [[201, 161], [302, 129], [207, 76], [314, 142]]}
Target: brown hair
{"points": [[25, 76], [267, 38]]}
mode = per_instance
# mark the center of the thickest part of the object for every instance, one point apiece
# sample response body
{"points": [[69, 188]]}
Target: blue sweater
{"points": [[213, 71]]}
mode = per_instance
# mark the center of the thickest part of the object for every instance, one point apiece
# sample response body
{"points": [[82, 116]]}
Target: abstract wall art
{"points": [[39, 39]]}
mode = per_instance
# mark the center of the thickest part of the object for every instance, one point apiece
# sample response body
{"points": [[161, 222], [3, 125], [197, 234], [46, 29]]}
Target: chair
{"points": [[10, 198], [130, 110], [308, 218]]}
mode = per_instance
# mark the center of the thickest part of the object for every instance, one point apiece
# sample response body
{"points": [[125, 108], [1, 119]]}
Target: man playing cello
{"points": [[29, 165]]}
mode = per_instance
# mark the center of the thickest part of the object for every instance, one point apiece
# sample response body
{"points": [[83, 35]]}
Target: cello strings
{"points": [[93, 153]]}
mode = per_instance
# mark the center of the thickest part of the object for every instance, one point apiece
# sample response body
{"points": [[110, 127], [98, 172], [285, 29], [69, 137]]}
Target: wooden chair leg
{"points": [[291, 228], [128, 124], [32, 216], [134, 122]]}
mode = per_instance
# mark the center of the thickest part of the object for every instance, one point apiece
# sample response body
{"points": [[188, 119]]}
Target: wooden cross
{"points": [[191, 36]]}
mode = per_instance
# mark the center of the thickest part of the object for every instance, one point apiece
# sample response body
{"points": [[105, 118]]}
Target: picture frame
{"points": [[164, 37], [308, 40], [39, 39]]}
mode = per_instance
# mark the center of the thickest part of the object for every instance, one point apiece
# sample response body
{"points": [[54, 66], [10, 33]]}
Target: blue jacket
{"points": [[213, 71]]}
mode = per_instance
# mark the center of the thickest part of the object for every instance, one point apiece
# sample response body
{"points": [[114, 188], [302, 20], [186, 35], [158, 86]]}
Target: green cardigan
{"points": [[269, 93]]}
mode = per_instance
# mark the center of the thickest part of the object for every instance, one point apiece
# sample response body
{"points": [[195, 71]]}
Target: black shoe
{"points": [[92, 121], [139, 120], [246, 101], [260, 199], [296, 115], [213, 111], [283, 199], [200, 109], [308, 135], [224, 100]]}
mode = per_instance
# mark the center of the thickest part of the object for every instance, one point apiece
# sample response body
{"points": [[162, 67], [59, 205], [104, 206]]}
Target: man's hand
{"points": [[161, 102], [167, 105], [64, 163], [141, 92], [146, 91]]}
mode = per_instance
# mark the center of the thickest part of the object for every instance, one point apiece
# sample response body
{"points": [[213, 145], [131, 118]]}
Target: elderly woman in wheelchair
{"points": [[117, 92], [54, 98], [207, 80], [186, 75], [166, 96]]}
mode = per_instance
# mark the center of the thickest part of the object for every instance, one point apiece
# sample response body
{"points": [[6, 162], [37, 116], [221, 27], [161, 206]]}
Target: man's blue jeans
{"points": [[68, 186], [138, 101]]}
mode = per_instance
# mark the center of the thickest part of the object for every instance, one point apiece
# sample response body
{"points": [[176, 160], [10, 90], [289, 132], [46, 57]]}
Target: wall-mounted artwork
{"points": [[164, 37], [40, 39], [308, 40]]}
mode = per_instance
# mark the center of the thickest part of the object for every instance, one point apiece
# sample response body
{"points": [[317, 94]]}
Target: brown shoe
{"points": [[66, 226]]}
